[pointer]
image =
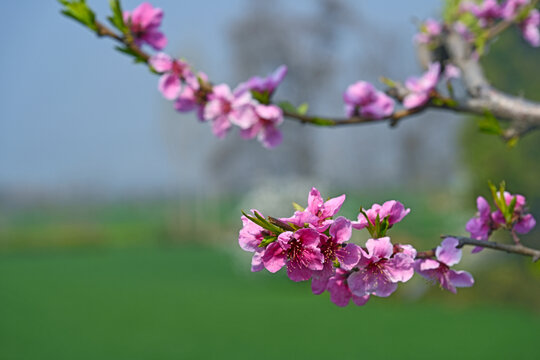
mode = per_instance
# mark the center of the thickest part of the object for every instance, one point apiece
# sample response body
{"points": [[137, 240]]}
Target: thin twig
{"points": [[465, 241], [104, 31]]}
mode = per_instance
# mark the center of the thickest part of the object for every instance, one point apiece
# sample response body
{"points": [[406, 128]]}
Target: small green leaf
{"points": [[437, 101], [267, 240], [137, 58], [253, 219], [490, 125], [263, 98], [117, 18], [267, 225], [510, 211], [449, 101], [79, 11], [388, 82], [297, 207], [512, 141], [322, 121], [302, 109], [384, 227], [280, 224], [287, 107]]}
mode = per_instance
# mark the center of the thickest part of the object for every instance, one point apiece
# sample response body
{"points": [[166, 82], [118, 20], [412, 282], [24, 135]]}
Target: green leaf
{"points": [[297, 207], [437, 101], [287, 107], [449, 101], [510, 211], [253, 219], [117, 18], [388, 82], [267, 225], [280, 224], [136, 57], [384, 227], [267, 240], [512, 141], [322, 121], [263, 98], [498, 197], [79, 11], [302, 109], [493, 190], [490, 125], [480, 42]]}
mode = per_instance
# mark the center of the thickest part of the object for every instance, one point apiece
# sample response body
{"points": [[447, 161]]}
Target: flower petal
{"points": [[170, 86], [460, 278], [380, 248], [348, 256], [161, 62], [341, 230], [447, 252], [274, 257]]}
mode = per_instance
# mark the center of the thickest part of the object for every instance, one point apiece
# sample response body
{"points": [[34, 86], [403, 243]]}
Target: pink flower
{"points": [[268, 117], [144, 22], [421, 88], [525, 224], [363, 99], [225, 108], [529, 28], [333, 249], [451, 72], [318, 213], [173, 72], [380, 268], [439, 270], [190, 99], [429, 30], [249, 238], [511, 8], [488, 11], [480, 226], [340, 294], [298, 250], [521, 223], [265, 85], [392, 210], [464, 31]]}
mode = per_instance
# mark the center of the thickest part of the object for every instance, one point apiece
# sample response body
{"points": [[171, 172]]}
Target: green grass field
{"points": [[196, 302]]}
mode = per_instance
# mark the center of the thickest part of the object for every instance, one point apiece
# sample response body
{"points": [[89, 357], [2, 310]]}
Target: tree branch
{"points": [[465, 241], [524, 115], [104, 31]]}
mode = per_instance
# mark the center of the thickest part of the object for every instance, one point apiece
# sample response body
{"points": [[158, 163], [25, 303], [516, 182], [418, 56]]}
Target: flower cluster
{"points": [[220, 105], [422, 88], [510, 213], [429, 31], [490, 11], [315, 244], [362, 99], [247, 107]]}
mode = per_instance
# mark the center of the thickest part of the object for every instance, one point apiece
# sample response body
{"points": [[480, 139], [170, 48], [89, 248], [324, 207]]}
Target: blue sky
{"points": [[74, 113]]}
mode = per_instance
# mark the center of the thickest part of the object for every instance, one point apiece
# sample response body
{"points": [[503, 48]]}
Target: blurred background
{"points": [[119, 217]]}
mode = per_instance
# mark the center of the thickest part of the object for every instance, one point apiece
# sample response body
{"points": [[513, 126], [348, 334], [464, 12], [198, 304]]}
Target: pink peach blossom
{"points": [[447, 255], [144, 22], [379, 269]]}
